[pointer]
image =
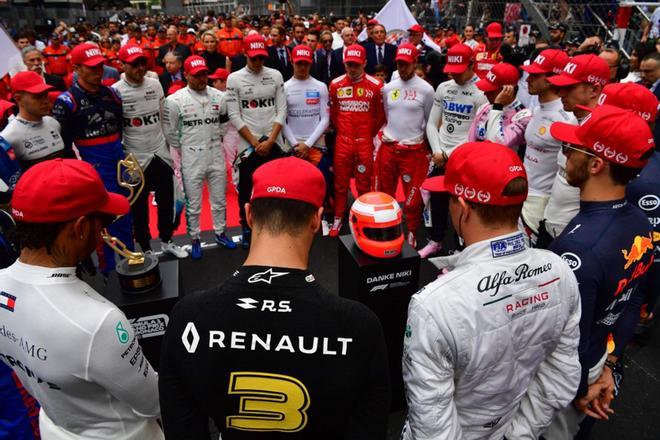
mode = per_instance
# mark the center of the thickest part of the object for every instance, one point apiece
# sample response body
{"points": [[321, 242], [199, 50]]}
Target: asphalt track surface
{"points": [[637, 412]]}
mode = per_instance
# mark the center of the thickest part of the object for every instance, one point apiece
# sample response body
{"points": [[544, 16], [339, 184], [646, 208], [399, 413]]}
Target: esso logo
{"points": [[572, 260], [276, 189], [570, 68], [458, 189], [405, 51], [649, 202], [515, 168], [599, 147], [490, 76]]}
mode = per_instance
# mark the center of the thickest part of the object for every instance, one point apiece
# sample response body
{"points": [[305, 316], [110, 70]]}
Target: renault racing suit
{"points": [[356, 112], [504, 125], [491, 347], [78, 356], [609, 246], [93, 122], [541, 162], [644, 192], [254, 100], [192, 122], [454, 108], [404, 152], [144, 138]]}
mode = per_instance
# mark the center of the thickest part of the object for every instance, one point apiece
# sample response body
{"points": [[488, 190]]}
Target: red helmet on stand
{"points": [[375, 221]]}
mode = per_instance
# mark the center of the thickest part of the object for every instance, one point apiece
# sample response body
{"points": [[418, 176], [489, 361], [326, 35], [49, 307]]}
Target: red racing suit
{"points": [[484, 60], [356, 112]]}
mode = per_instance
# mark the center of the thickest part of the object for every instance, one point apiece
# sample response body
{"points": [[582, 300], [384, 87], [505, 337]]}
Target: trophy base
{"points": [[139, 278]]}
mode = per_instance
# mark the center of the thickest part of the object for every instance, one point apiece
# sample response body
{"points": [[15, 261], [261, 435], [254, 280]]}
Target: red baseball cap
{"points": [[407, 53], [87, 54], [30, 82], [289, 178], [614, 134], [588, 68], [195, 64], [355, 53], [465, 177], [548, 61], [502, 74], [219, 73], [302, 52], [416, 28], [452, 41], [60, 190], [4, 107], [494, 30], [130, 53], [631, 96], [458, 58], [255, 46], [372, 22]]}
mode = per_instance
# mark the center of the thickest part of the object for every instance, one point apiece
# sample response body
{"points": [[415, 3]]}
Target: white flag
{"points": [[9, 52], [397, 19]]}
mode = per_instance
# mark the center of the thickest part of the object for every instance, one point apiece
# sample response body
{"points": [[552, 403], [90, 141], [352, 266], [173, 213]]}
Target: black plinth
{"points": [[148, 312], [385, 286]]}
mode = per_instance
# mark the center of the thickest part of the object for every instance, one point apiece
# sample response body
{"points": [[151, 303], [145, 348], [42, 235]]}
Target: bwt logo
{"points": [[570, 68], [257, 45], [353, 53], [405, 51], [276, 189], [195, 63], [540, 59], [134, 50], [92, 53], [490, 76], [455, 59]]}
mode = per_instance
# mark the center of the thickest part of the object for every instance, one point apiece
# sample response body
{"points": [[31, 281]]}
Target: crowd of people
{"points": [[542, 158]]}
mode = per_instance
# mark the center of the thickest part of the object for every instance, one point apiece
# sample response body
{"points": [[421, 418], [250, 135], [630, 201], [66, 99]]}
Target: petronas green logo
{"points": [[408, 331], [122, 334]]}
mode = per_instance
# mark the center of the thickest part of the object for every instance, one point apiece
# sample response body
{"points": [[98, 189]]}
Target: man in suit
{"points": [[173, 73], [323, 63], [380, 52], [299, 32], [649, 71], [337, 60], [172, 45], [279, 56], [33, 60]]}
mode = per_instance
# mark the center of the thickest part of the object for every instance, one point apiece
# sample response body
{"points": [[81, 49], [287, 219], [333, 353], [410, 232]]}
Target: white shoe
{"points": [[431, 248], [336, 227], [173, 249], [412, 239]]}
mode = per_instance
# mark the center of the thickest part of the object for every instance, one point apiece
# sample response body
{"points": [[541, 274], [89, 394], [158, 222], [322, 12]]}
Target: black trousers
{"points": [[439, 211], [158, 177], [245, 169]]}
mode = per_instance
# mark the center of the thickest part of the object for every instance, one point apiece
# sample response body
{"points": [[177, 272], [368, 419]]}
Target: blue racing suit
{"points": [[609, 247], [19, 412], [644, 192], [93, 121]]}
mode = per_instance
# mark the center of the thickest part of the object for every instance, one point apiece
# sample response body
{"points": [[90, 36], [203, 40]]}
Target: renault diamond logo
{"points": [[247, 303], [190, 330]]}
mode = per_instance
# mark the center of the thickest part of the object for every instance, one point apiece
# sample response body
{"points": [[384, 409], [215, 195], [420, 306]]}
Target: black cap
{"points": [[557, 26]]}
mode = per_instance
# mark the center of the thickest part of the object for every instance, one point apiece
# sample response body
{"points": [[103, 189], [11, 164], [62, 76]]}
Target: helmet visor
{"points": [[383, 234]]}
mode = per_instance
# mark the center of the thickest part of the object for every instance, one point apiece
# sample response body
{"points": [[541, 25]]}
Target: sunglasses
{"points": [[566, 149]]}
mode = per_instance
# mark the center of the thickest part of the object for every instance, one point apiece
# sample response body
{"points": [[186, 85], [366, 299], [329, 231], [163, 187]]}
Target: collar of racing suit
{"points": [[586, 207], [270, 276], [553, 105], [42, 274]]}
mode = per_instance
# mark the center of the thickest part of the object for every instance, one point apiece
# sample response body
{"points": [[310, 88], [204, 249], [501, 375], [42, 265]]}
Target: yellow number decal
{"points": [[268, 402]]}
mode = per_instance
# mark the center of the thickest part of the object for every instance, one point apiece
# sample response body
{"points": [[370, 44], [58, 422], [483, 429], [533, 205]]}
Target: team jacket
{"points": [[609, 246], [506, 126], [356, 107], [491, 347], [270, 354]]}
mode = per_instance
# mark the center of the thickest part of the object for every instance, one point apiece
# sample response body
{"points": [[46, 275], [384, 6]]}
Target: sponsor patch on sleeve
{"points": [[507, 246]]}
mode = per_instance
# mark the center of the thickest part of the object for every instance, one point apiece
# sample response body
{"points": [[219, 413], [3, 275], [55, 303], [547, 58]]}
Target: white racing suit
{"points": [[491, 348], [192, 123]]}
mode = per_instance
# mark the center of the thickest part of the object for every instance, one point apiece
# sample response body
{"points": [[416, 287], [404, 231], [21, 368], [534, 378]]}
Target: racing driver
{"points": [[491, 347], [74, 351], [356, 112]]}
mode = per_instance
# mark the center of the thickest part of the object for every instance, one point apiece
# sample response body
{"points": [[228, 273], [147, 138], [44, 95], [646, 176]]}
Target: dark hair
{"points": [[378, 68], [281, 216], [655, 56], [623, 175], [36, 235], [495, 216]]}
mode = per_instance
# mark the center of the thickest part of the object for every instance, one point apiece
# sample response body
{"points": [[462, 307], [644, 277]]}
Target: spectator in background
{"points": [[55, 54], [214, 59], [337, 64], [381, 72], [299, 32], [612, 57], [323, 71], [172, 45], [337, 40], [557, 34], [230, 39], [173, 74], [34, 62], [487, 57], [380, 52], [279, 56], [636, 56]]}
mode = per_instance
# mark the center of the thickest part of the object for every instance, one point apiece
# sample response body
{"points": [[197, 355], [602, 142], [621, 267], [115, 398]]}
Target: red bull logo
{"points": [[639, 248]]}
